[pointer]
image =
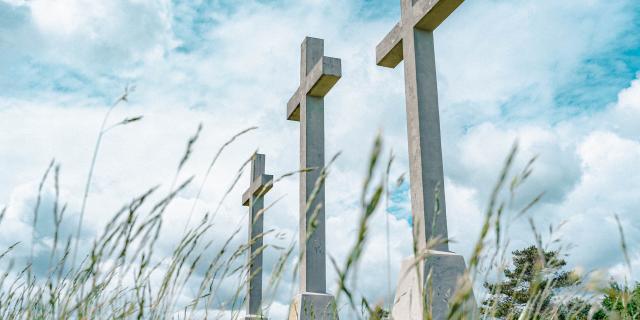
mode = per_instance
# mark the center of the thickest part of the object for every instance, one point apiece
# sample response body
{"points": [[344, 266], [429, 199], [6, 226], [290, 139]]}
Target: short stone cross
{"points": [[254, 199], [318, 74], [411, 40]]}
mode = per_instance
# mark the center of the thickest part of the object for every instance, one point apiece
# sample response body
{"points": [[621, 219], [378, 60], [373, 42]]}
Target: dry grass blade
{"points": [[189, 148], [37, 206], [213, 162], [123, 98], [475, 257], [368, 205], [623, 243]]}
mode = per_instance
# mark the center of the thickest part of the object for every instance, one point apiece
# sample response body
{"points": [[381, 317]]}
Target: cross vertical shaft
{"points": [[411, 40], [425, 149], [312, 273], [254, 199], [318, 74], [312, 222]]}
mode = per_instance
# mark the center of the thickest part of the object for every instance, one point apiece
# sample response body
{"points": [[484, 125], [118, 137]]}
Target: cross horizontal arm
{"points": [[293, 106], [324, 76], [318, 83], [259, 187], [425, 15], [389, 50], [429, 14]]}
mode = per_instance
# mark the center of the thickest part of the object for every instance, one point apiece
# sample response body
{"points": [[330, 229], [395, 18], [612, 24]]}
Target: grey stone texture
{"points": [[254, 199], [318, 74], [445, 269], [411, 40], [313, 306]]}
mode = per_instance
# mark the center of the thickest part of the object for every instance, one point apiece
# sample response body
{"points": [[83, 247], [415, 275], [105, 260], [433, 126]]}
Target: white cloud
{"points": [[490, 56]]}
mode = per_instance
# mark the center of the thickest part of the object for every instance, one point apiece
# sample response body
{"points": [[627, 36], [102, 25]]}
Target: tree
{"points": [[579, 309], [378, 313], [529, 285], [622, 301], [618, 302]]}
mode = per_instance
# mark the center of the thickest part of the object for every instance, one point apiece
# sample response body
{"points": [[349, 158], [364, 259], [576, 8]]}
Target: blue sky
{"points": [[603, 70], [559, 76]]}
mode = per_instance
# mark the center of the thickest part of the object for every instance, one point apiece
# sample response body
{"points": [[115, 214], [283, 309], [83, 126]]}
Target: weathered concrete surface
{"points": [[421, 14], [446, 269], [318, 74], [254, 199], [317, 83], [261, 184], [411, 40], [313, 306]]}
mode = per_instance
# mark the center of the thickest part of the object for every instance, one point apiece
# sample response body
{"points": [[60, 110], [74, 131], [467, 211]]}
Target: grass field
{"points": [[121, 276]]}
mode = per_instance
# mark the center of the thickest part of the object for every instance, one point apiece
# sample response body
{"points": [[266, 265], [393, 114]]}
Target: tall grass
{"points": [[104, 129], [121, 276]]}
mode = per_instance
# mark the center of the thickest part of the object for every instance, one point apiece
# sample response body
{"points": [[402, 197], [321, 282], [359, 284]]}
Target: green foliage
{"points": [[618, 302], [578, 309], [529, 285], [379, 313], [622, 302]]}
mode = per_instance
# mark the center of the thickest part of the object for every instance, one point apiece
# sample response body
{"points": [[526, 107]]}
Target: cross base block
{"points": [[446, 270], [255, 317], [313, 306]]}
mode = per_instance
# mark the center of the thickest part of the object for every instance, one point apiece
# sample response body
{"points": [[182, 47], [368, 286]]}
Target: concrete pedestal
{"points": [[313, 306], [255, 317], [446, 268]]}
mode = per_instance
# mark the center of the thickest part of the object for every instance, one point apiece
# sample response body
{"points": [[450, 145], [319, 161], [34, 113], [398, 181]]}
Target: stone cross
{"points": [[254, 199], [318, 74], [411, 40]]}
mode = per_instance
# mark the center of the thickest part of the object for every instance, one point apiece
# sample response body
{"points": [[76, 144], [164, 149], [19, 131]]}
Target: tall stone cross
{"points": [[411, 40], [254, 199], [318, 74]]}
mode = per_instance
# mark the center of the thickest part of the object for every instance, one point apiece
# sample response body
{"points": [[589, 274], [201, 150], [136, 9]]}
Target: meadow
{"points": [[122, 277]]}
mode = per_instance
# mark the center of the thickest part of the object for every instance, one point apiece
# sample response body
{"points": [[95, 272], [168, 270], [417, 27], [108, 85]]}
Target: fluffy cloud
{"points": [[505, 70]]}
